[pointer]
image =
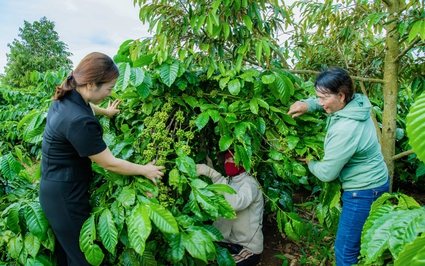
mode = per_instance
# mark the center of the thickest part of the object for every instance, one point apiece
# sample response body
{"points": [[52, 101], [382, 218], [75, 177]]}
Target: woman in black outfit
{"points": [[72, 140]]}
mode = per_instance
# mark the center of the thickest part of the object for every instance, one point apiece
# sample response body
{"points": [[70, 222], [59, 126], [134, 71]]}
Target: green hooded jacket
{"points": [[352, 151]]}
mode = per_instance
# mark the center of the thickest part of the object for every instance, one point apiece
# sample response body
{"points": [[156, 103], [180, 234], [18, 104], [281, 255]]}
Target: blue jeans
{"points": [[355, 210]]}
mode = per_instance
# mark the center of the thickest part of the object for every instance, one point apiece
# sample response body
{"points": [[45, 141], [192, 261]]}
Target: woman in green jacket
{"points": [[352, 155]]}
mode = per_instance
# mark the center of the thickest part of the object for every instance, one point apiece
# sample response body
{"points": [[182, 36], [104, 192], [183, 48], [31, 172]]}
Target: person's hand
{"points": [[307, 161], [152, 172], [209, 162], [112, 110], [202, 169], [298, 108]]}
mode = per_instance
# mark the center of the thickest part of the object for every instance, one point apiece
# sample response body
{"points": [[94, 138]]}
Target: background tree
{"points": [[39, 49]]}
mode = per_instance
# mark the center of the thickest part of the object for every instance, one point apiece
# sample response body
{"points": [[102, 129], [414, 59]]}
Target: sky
{"points": [[84, 25]]}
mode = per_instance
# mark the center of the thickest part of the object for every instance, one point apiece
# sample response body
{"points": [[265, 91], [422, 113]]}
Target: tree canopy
{"points": [[38, 49]]}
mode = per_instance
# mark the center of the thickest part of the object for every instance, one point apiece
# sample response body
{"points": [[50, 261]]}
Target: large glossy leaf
{"points": [[207, 238], [415, 127], [168, 72], [375, 238], [36, 220], [194, 244], [413, 253], [137, 76], [12, 219], [224, 258], [202, 120], [187, 165], [162, 218], [225, 142], [127, 196], [143, 60], [124, 77], [139, 228], [177, 248], [144, 88], [107, 230], [15, 246], [221, 188], [92, 251], [36, 262], [405, 229], [234, 86], [204, 198], [224, 208], [32, 244], [49, 242], [119, 214]]}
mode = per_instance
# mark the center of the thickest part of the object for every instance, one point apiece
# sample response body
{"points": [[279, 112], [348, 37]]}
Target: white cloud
{"points": [[84, 25]]}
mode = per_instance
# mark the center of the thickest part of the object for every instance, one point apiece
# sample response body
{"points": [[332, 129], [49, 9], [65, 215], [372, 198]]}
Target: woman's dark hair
{"points": [[95, 67], [335, 80]]}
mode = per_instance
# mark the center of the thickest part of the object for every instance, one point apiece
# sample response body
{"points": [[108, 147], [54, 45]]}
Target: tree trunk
{"points": [[390, 88]]}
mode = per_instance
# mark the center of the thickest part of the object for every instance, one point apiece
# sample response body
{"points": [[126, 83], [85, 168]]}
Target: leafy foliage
{"points": [[415, 126], [214, 34], [27, 55], [25, 236], [393, 231]]}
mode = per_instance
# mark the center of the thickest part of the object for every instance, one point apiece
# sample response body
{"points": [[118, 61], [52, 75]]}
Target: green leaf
{"points": [[415, 126], [195, 245], [12, 219], [376, 232], [225, 142], [36, 220], [15, 246], [124, 77], [162, 218], [108, 231], [204, 198], [177, 248], [292, 141], [248, 22], [191, 101], [261, 125], [243, 155], [234, 86], [214, 114], [127, 196], [224, 258], [139, 228], [92, 251], [222, 188], [298, 169], [224, 208], [144, 89], [275, 155], [413, 253], [418, 27], [283, 87], [405, 229], [49, 242], [268, 79], [168, 72], [136, 76], [253, 106], [266, 47], [187, 165], [202, 120], [32, 244], [240, 129], [143, 60]]}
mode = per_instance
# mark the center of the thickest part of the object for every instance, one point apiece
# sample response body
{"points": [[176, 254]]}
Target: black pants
{"points": [[235, 249], [66, 206]]}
